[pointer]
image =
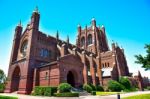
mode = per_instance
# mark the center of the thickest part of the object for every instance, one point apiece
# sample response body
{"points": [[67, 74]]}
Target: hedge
{"points": [[7, 97], [66, 94], [44, 91], [99, 88]]}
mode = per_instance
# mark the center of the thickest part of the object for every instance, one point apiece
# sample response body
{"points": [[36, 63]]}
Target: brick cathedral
{"points": [[38, 59]]}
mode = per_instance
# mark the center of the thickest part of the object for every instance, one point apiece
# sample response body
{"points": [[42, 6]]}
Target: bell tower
{"points": [[21, 68], [92, 38], [16, 42], [35, 19]]}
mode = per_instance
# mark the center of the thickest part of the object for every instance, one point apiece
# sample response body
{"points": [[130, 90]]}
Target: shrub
{"points": [[2, 87], [87, 87], [7, 97], [64, 87], [115, 86], [99, 88], [93, 92], [93, 87], [38, 90], [44, 91], [148, 88], [125, 82], [131, 89], [67, 94]]}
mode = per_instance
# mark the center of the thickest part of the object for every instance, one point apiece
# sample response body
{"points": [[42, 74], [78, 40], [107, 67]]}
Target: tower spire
{"points": [[93, 22], [35, 19], [67, 39], [57, 35], [19, 24], [36, 9]]}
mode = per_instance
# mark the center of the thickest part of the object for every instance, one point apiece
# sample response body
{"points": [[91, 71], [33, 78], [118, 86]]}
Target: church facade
{"points": [[38, 59]]}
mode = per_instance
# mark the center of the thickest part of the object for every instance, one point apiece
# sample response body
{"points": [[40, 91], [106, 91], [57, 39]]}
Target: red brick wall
{"points": [[49, 75]]}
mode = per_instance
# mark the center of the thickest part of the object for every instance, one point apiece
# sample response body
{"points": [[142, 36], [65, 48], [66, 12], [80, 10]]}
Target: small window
{"points": [[105, 65], [89, 39], [42, 52], [108, 64], [82, 41], [45, 53], [49, 53], [46, 75]]}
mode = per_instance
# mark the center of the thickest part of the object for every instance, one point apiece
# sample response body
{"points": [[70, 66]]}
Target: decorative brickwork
{"points": [[41, 60]]}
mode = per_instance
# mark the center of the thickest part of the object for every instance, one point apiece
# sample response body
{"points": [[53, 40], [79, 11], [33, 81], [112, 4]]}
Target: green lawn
{"points": [[107, 93], [144, 96], [7, 97]]}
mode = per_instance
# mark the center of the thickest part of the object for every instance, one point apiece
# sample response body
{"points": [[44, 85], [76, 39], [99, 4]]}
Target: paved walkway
{"points": [[115, 96], [81, 97]]}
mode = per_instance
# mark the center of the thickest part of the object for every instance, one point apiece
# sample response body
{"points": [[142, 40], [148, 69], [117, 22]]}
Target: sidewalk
{"points": [[81, 97]]}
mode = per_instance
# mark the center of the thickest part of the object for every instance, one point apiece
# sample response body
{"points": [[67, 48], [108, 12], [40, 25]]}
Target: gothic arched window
{"points": [[45, 53], [108, 64], [82, 41], [89, 39], [24, 48]]}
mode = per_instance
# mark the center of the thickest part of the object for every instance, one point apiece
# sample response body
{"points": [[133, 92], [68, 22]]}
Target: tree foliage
{"points": [[125, 82], [144, 60], [2, 76], [2, 80], [115, 86]]}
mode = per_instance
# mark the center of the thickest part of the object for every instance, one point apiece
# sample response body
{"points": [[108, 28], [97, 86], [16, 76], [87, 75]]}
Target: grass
{"points": [[144, 96], [107, 93], [7, 97]]}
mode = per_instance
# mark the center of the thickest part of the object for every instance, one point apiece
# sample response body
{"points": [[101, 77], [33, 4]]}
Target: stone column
{"points": [[63, 50], [92, 70], [35, 78], [85, 71], [99, 71]]}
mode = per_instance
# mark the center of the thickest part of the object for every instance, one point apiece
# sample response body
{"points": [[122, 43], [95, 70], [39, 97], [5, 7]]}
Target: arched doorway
{"points": [[71, 79], [15, 79]]}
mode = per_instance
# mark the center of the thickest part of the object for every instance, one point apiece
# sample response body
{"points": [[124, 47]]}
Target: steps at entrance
{"points": [[80, 91], [15, 92], [84, 93]]}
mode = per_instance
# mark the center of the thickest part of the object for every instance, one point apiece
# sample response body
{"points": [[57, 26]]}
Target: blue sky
{"points": [[126, 21]]}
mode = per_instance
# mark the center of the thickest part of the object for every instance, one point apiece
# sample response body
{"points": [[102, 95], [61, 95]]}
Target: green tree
{"points": [[125, 82], [2, 76], [144, 60], [115, 86], [2, 80]]}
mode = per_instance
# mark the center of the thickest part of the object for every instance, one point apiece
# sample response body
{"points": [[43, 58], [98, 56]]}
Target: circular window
{"points": [[24, 48]]}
